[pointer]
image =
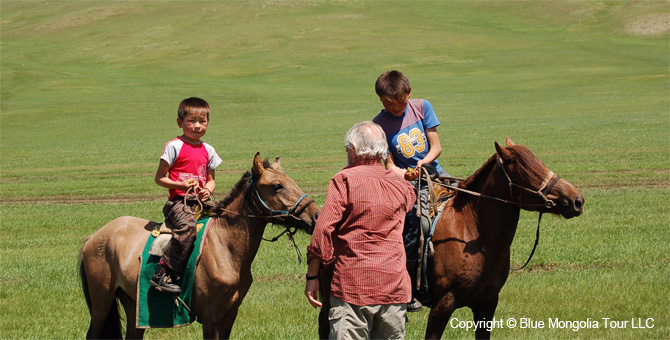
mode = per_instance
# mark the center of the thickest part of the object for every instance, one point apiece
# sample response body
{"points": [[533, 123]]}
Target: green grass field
{"points": [[89, 93]]}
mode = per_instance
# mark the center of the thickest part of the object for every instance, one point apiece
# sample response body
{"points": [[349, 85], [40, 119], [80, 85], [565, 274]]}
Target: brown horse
{"points": [[473, 236], [109, 259]]}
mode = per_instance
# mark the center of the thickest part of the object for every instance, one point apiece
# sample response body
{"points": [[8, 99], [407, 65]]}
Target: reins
{"points": [[542, 192], [280, 215]]}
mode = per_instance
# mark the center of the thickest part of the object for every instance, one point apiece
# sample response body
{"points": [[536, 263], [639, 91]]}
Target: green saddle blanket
{"points": [[163, 310]]}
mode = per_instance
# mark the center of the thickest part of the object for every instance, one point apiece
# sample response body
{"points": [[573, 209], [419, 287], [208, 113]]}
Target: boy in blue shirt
{"points": [[411, 131]]}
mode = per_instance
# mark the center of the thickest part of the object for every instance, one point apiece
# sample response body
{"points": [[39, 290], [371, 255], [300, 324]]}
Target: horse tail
{"points": [[82, 277], [112, 326]]}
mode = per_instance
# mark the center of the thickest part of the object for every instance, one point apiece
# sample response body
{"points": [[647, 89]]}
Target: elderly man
{"points": [[359, 231]]}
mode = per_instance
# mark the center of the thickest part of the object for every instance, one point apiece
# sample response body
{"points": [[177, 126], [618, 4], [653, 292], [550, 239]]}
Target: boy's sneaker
{"points": [[163, 282]]}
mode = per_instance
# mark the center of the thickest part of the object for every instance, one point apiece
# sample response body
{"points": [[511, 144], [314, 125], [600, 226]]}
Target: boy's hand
{"points": [[203, 195], [188, 184]]}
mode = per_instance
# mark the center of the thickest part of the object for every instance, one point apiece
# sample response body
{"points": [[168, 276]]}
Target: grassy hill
{"points": [[89, 93]]}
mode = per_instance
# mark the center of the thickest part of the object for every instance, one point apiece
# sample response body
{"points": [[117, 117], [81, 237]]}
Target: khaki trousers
{"points": [[351, 322]]}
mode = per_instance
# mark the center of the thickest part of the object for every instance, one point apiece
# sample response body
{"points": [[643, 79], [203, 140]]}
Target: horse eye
{"points": [[277, 187]]}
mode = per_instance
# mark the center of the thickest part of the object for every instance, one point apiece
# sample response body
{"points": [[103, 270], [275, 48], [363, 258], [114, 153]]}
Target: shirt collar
{"points": [[365, 161]]}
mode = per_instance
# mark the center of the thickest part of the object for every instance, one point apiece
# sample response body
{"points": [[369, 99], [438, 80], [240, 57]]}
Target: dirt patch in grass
{"points": [[551, 267], [652, 24], [77, 200]]}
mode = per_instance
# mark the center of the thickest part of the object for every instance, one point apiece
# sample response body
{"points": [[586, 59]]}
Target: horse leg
{"points": [[226, 325], [483, 312], [209, 330], [439, 316], [129, 305], [220, 329], [325, 278], [324, 323], [105, 318]]}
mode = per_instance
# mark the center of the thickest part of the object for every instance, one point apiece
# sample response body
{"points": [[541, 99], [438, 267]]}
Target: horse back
{"points": [[110, 256]]}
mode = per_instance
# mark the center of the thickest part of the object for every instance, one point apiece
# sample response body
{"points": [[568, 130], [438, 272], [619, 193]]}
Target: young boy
{"points": [[186, 163], [411, 131]]}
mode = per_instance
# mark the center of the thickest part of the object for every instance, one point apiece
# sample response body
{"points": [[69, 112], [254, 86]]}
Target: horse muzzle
{"points": [[571, 201], [574, 208]]}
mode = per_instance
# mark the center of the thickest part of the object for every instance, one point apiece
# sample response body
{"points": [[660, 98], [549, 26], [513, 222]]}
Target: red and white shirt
{"points": [[359, 230], [189, 161]]}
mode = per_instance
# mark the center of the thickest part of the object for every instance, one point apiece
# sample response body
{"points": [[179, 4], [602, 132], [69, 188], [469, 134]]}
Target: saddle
{"points": [[439, 195], [160, 310], [163, 231]]}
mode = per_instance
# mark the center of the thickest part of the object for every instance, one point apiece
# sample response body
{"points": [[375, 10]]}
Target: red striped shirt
{"points": [[360, 230]]}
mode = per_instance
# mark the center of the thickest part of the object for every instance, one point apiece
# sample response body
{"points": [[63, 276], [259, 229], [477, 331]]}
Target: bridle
{"points": [[542, 192], [288, 219]]}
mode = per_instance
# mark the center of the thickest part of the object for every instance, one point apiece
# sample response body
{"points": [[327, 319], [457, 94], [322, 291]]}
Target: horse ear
{"points": [[509, 142], [502, 152], [276, 164], [258, 167]]}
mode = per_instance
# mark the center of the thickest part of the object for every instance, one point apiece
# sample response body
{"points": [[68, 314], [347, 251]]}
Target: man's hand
{"points": [[312, 293], [412, 174]]}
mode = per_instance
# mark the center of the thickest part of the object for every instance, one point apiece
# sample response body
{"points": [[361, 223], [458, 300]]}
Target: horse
{"points": [[109, 259], [472, 237]]}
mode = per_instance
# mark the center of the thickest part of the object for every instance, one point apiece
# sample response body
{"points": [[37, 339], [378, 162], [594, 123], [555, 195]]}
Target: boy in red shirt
{"points": [[186, 163]]}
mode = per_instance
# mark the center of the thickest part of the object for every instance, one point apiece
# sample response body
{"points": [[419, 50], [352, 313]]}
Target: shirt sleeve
{"points": [[214, 159], [429, 117], [329, 221], [170, 153]]}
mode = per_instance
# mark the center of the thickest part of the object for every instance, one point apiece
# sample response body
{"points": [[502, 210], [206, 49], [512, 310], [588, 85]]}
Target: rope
{"points": [[542, 192], [178, 300], [192, 192]]}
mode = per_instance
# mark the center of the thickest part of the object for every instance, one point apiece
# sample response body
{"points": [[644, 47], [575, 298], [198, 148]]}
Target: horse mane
{"points": [[475, 181], [531, 164], [238, 189], [520, 155]]}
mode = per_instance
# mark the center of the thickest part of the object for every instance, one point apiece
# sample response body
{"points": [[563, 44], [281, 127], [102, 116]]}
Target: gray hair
{"points": [[368, 139]]}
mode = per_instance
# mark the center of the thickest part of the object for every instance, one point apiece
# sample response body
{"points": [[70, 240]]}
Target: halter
{"points": [[282, 217], [280, 213], [542, 192]]}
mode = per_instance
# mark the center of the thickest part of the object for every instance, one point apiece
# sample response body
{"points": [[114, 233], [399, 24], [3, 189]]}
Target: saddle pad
{"points": [[162, 310]]}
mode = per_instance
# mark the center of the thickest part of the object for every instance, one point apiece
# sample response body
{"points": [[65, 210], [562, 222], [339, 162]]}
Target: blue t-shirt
{"points": [[406, 135]]}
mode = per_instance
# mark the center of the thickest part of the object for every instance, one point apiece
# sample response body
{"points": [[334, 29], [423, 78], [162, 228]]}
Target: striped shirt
{"points": [[359, 230]]}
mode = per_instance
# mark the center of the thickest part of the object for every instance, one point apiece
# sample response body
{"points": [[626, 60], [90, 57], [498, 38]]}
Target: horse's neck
{"points": [[235, 236], [492, 219]]}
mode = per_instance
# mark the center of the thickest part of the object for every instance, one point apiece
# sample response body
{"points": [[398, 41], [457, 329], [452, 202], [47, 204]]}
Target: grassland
{"points": [[89, 92]]}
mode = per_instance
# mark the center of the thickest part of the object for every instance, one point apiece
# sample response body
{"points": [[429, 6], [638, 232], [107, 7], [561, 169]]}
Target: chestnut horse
{"points": [[109, 259], [472, 238]]}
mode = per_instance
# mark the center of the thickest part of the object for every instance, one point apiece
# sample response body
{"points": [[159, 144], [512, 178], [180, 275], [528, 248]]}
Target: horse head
{"points": [[287, 203], [534, 186]]}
